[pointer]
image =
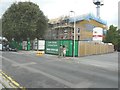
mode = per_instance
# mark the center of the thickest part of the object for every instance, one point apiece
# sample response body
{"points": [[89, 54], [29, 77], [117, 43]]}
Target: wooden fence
{"points": [[92, 48]]}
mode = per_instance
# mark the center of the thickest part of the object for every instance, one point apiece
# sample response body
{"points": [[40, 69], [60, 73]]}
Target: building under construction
{"points": [[63, 27]]}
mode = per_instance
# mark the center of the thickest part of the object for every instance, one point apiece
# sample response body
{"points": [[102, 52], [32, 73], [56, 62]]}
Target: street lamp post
{"points": [[74, 33]]}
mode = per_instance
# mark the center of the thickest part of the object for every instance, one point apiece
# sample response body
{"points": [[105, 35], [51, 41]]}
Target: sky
{"points": [[57, 8]]}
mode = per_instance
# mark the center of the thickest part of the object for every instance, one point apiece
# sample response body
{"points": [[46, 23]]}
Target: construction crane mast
{"points": [[98, 3]]}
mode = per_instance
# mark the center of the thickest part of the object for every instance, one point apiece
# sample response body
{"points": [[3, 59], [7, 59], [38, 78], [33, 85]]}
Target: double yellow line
{"points": [[12, 82]]}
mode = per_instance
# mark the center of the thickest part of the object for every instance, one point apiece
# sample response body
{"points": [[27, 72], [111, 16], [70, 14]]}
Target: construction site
{"points": [[85, 32]]}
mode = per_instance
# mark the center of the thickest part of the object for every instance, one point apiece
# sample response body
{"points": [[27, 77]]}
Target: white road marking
{"points": [[16, 53], [112, 67], [43, 73], [25, 64]]}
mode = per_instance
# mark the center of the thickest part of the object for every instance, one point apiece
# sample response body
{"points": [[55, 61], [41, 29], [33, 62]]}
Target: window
{"points": [[78, 37], [0, 41], [73, 31], [78, 30], [65, 31]]}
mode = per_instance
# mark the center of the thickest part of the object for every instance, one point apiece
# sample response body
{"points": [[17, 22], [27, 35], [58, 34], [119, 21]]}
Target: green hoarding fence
{"points": [[28, 45], [76, 48], [20, 46], [68, 45], [52, 47]]}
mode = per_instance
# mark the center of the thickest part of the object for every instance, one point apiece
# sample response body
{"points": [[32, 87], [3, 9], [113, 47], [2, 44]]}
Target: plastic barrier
{"points": [[40, 53]]}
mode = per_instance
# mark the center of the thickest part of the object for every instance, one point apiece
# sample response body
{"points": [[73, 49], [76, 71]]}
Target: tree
{"points": [[118, 45], [112, 36], [24, 20]]}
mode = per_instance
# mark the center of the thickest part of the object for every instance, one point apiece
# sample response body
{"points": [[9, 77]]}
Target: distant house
{"points": [[63, 27]]}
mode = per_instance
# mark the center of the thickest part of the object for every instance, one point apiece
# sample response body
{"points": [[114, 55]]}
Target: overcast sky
{"points": [[56, 8]]}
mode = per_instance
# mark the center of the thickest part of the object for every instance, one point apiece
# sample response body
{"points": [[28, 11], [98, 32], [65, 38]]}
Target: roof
{"points": [[57, 20], [78, 18], [88, 17]]}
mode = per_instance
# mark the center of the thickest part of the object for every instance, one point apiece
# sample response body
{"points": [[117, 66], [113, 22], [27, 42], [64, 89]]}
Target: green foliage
{"points": [[24, 20], [118, 32], [113, 36]]}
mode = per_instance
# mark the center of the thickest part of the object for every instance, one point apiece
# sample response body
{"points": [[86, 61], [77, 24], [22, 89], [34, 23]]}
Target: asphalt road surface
{"points": [[48, 71]]}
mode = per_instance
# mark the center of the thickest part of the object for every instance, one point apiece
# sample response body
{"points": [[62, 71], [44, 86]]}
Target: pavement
{"points": [[49, 71]]}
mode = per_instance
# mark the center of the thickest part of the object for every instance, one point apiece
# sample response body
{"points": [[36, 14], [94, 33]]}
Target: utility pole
{"points": [[74, 33]]}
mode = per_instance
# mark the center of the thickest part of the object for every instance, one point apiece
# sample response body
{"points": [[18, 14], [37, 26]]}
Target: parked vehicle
{"points": [[12, 49], [4, 48], [7, 47]]}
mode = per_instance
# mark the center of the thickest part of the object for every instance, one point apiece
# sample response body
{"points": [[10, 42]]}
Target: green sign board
{"points": [[52, 47]]}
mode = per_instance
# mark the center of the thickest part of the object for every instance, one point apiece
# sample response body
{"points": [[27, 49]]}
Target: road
{"points": [[48, 71]]}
